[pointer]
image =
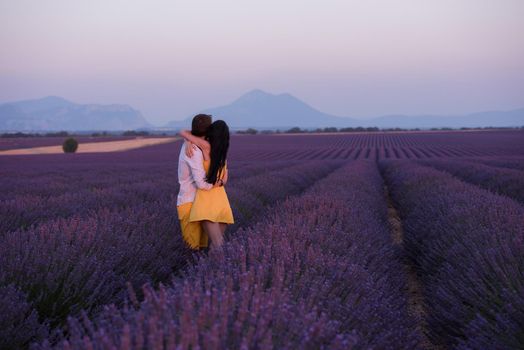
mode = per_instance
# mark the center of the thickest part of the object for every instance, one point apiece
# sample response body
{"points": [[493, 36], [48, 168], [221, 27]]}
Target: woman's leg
{"points": [[215, 234], [222, 228]]}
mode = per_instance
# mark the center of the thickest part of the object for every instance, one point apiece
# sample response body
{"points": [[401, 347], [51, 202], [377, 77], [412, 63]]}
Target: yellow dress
{"points": [[211, 205], [192, 232]]}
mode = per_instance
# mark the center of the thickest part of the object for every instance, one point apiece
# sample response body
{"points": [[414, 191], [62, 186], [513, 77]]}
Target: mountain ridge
{"points": [[260, 109], [57, 113], [254, 109]]}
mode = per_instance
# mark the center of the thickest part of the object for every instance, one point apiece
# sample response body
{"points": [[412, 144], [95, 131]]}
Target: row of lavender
{"points": [[516, 163], [505, 177], [317, 273], [33, 197], [368, 153], [49, 180], [402, 145], [82, 262], [468, 246]]}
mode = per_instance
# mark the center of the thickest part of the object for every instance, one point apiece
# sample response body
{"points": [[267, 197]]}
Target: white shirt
{"points": [[191, 175]]}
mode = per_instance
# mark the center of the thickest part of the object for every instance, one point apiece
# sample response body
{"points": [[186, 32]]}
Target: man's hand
{"points": [[189, 149]]}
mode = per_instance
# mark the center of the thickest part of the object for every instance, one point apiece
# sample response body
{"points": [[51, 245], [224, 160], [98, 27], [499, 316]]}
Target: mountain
{"points": [[55, 113], [259, 109]]}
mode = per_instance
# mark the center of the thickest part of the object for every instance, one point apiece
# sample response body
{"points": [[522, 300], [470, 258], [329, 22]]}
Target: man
{"points": [[191, 176]]}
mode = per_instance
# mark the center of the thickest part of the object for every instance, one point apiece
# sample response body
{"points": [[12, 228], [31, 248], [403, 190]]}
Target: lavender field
{"points": [[8, 143], [343, 241]]}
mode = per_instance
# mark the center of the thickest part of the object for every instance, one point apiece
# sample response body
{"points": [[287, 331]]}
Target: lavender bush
{"points": [[317, 273], [250, 196], [78, 233], [508, 182], [516, 163], [85, 261], [19, 324], [468, 245], [33, 201]]}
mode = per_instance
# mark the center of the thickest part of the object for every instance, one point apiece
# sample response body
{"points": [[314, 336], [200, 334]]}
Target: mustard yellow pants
{"points": [[192, 232]]}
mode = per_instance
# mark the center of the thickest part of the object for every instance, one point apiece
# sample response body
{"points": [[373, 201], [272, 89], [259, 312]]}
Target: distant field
{"points": [[405, 240], [94, 147], [378, 145], [28, 142]]}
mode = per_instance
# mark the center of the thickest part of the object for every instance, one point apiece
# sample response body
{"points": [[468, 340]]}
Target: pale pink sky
{"points": [[353, 58]]}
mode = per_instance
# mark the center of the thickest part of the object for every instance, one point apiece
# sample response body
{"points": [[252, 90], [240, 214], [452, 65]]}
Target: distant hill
{"points": [[56, 113], [255, 109], [482, 119], [259, 109]]}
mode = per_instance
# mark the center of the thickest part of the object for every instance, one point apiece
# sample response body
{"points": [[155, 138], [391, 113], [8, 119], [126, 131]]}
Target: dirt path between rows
{"points": [[95, 147], [416, 306]]}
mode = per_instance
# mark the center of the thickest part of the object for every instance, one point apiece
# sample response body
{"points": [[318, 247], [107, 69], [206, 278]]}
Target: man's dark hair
{"points": [[200, 124]]}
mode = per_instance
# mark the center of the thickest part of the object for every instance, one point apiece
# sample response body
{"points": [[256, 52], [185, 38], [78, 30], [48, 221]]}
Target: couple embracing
{"points": [[202, 204]]}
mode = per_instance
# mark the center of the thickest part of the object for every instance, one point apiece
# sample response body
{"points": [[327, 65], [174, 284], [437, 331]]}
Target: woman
{"points": [[212, 207]]}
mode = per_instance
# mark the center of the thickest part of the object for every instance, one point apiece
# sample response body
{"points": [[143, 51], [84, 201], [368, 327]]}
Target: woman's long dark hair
{"points": [[218, 137]]}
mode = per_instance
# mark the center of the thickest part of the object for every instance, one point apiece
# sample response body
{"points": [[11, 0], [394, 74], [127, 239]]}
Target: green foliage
{"points": [[249, 131], [294, 130], [98, 134], [135, 133], [57, 134], [70, 145]]}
